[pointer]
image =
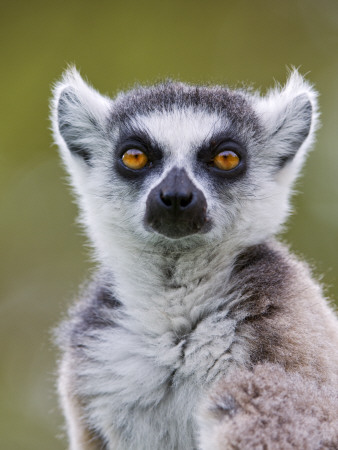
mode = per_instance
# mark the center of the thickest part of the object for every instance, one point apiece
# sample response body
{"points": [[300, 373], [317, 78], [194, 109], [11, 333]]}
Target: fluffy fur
{"points": [[170, 329], [270, 408]]}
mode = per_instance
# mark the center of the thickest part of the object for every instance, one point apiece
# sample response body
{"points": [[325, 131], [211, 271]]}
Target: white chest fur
{"points": [[144, 388]]}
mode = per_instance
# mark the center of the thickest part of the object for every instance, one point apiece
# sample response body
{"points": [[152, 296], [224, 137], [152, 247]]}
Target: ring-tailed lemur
{"points": [[199, 330]]}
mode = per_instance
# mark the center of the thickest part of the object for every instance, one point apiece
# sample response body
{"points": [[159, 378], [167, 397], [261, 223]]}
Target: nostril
{"points": [[166, 199], [185, 201]]}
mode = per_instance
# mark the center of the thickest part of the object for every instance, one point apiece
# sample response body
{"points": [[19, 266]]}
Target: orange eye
{"points": [[134, 159], [226, 160]]}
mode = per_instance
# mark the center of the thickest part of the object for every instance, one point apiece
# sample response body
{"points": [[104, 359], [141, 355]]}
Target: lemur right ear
{"points": [[79, 117]]}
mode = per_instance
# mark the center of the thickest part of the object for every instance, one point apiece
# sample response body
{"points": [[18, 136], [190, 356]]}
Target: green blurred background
{"points": [[115, 44]]}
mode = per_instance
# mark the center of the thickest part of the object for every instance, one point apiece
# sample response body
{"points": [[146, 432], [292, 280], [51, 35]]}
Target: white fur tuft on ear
{"points": [[290, 116], [79, 116]]}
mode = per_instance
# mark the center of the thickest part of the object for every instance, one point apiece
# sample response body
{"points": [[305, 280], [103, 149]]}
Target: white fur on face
{"points": [[180, 132]]}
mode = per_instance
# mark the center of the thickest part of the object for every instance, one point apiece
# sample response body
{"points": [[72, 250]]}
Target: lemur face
{"points": [[182, 162], [175, 162]]}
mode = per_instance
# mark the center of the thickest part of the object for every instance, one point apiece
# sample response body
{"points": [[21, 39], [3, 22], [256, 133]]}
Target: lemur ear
{"points": [[290, 115], [79, 117]]}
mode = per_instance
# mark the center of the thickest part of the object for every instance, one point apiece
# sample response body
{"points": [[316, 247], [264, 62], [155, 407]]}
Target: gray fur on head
{"points": [[191, 288]]}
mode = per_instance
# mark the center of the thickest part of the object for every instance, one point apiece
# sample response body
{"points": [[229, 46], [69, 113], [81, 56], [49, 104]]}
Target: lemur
{"points": [[198, 330]]}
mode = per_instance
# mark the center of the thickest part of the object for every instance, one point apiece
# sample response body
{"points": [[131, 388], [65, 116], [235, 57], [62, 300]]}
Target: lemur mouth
{"points": [[176, 208]]}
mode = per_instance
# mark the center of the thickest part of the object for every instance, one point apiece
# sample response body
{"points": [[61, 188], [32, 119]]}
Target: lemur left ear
{"points": [[79, 117], [290, 116]]}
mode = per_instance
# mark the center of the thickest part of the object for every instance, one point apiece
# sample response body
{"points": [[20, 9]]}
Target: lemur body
{"points": [[181, 189]]}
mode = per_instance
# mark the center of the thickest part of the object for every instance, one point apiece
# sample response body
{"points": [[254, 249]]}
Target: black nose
{"points": [[176, 207]]}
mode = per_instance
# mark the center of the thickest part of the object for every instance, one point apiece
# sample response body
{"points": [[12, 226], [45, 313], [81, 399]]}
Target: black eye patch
{"points": [[216, 145], [137, 140]]}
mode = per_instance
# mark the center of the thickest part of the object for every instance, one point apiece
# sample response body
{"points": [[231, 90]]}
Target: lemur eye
{"points": [[226, 160], [134, 159]]}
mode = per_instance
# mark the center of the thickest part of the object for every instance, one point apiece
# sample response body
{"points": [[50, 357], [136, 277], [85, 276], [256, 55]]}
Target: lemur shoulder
{"points": [[199, 330]]}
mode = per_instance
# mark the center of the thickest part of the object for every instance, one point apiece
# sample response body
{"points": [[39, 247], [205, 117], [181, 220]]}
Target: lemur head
{"points": [[175, 164]]}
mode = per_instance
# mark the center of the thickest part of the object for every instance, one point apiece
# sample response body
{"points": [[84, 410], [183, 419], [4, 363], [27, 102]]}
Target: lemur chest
{"points": [[147, 387]]}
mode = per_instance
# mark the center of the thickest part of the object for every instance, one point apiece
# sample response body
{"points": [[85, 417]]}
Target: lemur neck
{"points": [[174, 285]]}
